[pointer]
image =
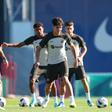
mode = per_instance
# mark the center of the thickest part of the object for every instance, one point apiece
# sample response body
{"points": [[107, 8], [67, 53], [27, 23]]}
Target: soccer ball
{"points": [[102, 102], [2, 101], [40, 100], [24, 102]]}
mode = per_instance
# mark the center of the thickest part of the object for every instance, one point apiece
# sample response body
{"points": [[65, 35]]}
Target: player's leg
{"points": [[70, 89], [32, 87], [1, 108], [36, 72], [54, 93], [47, 94], [81, 75], [87, 91], [0, 87], [50, 78], [71, 78], [62, 92], [65, 83]]}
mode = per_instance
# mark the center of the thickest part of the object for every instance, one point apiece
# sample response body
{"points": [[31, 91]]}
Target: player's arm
{"points": [[18, 45], [27, 41], [83, 48], [38, 55], [2, 55], [83, 51], [73, 49], [82, 54]]}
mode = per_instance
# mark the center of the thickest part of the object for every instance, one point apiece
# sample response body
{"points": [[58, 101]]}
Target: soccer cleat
{"points": [[33, 103], [90, 103], [72, 104], [55, 104], [45, 102], [61, 104]]}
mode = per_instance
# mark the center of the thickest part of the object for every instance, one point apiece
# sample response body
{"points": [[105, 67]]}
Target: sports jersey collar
{"points": [[37, 37]]}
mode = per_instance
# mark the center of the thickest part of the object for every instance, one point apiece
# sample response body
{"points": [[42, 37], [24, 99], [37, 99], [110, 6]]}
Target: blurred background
{"points": [[93, 21]]}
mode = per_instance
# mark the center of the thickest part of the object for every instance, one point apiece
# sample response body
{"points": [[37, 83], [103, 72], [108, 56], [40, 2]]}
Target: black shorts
{"points": [[79, 73], [40, 67], [55, 71]]}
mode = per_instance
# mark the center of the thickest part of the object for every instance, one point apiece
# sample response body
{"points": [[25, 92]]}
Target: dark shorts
{"points": [[79, 73], [44, 68], [55, 71]]}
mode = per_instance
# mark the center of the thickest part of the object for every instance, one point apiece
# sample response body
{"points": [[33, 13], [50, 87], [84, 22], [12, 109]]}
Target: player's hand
{"points": [[5, 44]]}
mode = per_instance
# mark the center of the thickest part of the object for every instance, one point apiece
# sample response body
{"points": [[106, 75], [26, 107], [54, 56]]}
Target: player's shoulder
{"points": [[33, 37], [49, 34], [65, 35], [78, 37]]}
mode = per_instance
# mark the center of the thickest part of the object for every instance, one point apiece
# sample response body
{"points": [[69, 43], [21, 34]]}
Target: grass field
{"points": [[12, 106]]}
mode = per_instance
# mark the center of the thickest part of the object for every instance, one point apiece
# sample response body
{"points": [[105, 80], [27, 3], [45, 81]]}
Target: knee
{"points": [[65, 79], [54, 85], [62, 81]]}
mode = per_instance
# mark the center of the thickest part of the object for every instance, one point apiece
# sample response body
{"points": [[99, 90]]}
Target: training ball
{"points": [[40, 101], [2, 101], [102, 102], [24, 102]]}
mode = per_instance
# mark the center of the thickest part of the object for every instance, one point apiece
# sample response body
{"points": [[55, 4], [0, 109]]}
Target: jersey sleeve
{"points": [[68, 39], [29, 40], [44, 41], [81, 41]]}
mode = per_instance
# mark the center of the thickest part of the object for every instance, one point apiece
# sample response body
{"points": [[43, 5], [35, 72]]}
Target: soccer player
{"points": [[57, 60], [35, 71], [4, 60], [81, 50]]}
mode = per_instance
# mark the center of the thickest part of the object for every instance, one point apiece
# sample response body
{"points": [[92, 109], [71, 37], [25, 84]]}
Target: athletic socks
{"points": [[88, 96], [34, 96], [62, 98], [72, 99], [55, 99]]}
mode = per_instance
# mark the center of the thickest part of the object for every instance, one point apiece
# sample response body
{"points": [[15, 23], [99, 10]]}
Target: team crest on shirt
{"points": [[56, 43], [52, 46]]}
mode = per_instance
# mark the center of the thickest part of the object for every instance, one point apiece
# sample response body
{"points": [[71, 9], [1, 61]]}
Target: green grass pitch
{"points": [[12, 106]]}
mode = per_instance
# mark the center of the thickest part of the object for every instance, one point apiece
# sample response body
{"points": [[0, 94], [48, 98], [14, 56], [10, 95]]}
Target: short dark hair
{"points": [[38, 24], [69, 23], [57, 21]]}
